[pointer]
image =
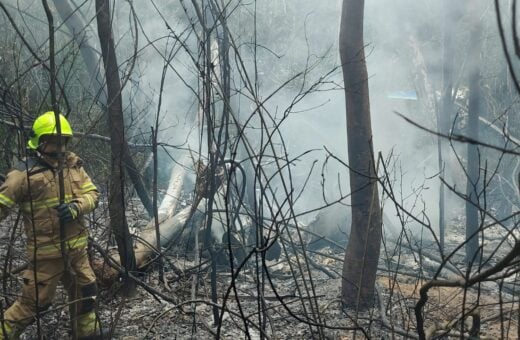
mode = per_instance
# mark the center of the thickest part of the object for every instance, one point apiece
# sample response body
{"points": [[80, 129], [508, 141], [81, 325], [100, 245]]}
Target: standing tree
{"points": [[84, 37], [362, 254], [445, 108], [473, 165], [116, 199], [81, 34]]}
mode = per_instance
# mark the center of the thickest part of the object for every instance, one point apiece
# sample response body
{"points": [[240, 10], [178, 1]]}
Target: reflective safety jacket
{"points": [[34, 187]]}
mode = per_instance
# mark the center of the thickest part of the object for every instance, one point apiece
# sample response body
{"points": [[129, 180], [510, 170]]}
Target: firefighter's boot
{"points": [[87, 322], [89, 328]]}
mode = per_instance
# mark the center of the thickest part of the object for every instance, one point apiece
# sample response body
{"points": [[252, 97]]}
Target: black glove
{"points": [[67, 212]]}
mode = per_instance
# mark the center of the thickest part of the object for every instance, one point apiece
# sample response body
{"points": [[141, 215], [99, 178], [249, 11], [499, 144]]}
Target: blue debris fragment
{"points": [[403, 95]]}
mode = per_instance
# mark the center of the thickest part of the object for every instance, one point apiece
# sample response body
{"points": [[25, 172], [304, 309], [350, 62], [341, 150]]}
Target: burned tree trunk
{"points": [[444, 111], [116, 204], [473, 165], [82, 36], [362, 254]]}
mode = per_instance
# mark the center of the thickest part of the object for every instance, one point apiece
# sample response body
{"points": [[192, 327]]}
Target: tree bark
{"points": [[81, 34], [473, 166], [444, 111], [116, 203], [362, 254]]}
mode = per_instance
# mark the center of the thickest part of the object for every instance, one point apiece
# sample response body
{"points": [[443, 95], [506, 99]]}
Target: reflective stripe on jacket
{"points": [[35, 189]]}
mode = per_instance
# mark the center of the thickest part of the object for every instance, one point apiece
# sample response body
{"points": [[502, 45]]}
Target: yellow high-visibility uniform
{"points": [[33, 186]]}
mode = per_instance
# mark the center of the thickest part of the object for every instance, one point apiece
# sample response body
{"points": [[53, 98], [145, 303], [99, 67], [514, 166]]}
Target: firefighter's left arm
{"points": [[11, 191], [87, 200]]}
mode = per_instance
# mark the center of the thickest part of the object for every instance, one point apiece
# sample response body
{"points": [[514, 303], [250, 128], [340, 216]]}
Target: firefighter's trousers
{"points": [[77, 278]]}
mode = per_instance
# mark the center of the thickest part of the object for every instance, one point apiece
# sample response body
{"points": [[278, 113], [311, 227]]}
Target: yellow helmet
{"points": [[46, 125]]}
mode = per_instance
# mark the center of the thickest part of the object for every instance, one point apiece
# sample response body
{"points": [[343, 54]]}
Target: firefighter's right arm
{"points": [[89, 195], [11, 191]]}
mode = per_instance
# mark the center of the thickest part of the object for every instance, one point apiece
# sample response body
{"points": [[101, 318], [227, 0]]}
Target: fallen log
{"points": [[146, 243], [170, 226], [145, 250], [229, 234]]}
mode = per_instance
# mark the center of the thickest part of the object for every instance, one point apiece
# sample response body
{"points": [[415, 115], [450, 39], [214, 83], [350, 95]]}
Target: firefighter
{"points": [[33, 186]]}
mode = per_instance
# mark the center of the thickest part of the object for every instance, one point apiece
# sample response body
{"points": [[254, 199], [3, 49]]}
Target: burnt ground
{"points": [[300, 301]]}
